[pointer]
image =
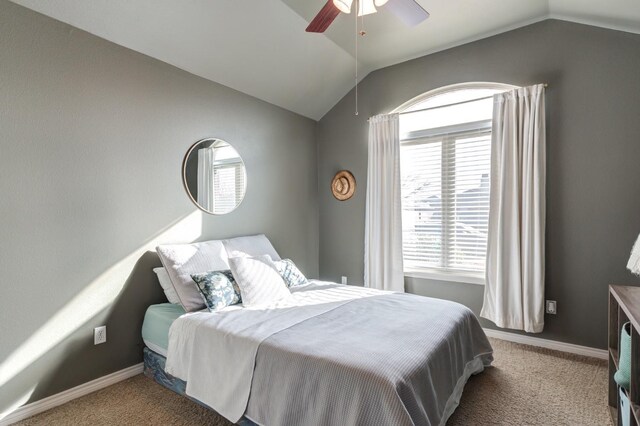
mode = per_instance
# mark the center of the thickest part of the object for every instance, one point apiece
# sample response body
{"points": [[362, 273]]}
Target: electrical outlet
{"points": [[552, 307], [344, 279], [100, 335]]}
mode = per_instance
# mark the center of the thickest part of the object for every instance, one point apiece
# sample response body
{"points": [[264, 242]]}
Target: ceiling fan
{"points": [[408, 11]]}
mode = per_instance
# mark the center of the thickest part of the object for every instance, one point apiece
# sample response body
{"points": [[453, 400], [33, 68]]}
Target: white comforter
{"points": [[384, 358]]}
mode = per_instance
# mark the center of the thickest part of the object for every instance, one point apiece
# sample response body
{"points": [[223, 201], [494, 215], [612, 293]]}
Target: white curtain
{"points": [[383, 222], [206, 157], [514, 291]]}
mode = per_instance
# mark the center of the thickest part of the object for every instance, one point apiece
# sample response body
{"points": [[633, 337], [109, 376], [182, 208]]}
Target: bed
{"points": [[330, 354]]}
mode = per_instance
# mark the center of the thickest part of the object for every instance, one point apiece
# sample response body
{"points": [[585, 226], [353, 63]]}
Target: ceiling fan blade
{"points": [[324, 18], [408, 11]]}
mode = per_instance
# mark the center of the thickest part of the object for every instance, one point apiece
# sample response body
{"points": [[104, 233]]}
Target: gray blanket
{"points": [[392, 359]]}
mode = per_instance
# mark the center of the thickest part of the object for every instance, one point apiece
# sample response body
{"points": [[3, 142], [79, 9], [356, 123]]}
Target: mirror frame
{"points": [[184, 175]]}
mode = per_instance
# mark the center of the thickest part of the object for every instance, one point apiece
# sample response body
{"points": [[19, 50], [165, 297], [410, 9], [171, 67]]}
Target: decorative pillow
{"points": [[259, 280], [218, 288], [250, 246], [182, 260], [167, 286], [290, 273]]}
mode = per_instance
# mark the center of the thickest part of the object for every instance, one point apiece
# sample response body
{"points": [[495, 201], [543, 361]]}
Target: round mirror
{"points": [[214, 176]]}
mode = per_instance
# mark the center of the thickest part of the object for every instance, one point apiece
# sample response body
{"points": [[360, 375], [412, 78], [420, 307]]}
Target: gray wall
{"points": [[92, 138], [593, 191]]}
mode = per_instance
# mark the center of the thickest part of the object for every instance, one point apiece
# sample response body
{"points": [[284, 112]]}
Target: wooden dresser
{"points": [[624, 306]]}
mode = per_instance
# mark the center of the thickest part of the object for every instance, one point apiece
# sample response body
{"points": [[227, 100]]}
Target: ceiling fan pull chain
{"points": [[356, 15]]}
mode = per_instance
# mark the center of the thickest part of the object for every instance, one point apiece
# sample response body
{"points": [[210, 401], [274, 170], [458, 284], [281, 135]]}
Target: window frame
{"points": [[451, 275], [408, 105]]}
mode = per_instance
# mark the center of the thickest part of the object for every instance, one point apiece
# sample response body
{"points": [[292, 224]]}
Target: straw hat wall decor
{"points": [[343, 185]]}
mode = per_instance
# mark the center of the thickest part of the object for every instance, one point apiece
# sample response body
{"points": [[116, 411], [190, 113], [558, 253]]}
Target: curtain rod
{"points": [[453, 104]]}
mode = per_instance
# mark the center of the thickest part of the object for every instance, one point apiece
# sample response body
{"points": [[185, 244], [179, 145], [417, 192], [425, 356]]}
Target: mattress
{"points": [[157, 321]]}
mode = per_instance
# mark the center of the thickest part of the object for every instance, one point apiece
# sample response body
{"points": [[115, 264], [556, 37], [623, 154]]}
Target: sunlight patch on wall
{"points": [[95, 297], [19, 402]]}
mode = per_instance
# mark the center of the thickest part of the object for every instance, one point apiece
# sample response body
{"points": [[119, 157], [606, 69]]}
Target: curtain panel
{"points": [[206, 187], [383, 267], [514, 291]]}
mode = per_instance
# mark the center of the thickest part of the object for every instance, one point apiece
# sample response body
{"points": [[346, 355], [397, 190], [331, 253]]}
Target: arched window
{"points": [[445, 161]]}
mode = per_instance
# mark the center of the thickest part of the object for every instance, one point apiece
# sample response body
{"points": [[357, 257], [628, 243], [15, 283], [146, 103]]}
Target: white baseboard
{"points": [[70, 394], [548, 344]]}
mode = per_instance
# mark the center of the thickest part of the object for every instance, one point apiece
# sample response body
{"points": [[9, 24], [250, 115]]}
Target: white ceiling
{"points": [[259, 47], [388, 41]]}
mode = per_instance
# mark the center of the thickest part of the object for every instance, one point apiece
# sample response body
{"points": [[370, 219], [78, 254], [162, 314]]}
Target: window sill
{"points": [[458, 277]]}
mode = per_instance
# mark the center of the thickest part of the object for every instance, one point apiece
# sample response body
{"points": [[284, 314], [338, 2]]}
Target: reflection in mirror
{"points": [[214, 176]]}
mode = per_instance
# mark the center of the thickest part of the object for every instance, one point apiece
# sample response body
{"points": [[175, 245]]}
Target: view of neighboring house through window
{"points": [[445, 165]]}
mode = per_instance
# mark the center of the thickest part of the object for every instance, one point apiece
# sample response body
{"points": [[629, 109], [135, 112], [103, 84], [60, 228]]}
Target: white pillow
{"points": [[183, 260], [259, 280], [167, 286], [250, 246]]}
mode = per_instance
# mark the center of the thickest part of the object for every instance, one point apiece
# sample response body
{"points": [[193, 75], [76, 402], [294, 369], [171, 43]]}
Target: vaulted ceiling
{"points": [[259, 47]]}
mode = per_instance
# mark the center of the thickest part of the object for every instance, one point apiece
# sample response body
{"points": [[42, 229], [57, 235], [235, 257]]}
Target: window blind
{"points": [[228, 186], [445, 198]]}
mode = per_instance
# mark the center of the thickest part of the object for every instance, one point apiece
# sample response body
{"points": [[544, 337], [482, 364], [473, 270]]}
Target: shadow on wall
{"points": [[118, 298]]}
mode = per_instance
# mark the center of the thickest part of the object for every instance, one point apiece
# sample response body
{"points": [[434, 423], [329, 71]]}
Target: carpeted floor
{"points": [[526, 386]]}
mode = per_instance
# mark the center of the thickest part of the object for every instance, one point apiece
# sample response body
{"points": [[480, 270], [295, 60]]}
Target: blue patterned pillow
{"points": [[290, 273], [218, 288]]}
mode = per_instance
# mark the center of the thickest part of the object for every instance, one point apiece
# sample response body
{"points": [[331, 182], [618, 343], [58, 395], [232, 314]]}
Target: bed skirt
{"points": [[154, 369]]}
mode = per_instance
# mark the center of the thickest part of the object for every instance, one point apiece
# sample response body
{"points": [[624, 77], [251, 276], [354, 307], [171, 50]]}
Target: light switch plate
{"points": [[344, 279]]}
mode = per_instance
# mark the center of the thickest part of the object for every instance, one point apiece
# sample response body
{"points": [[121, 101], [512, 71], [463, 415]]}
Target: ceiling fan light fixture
{"points": [[366, 7], [380, 3], [343, 5]]}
